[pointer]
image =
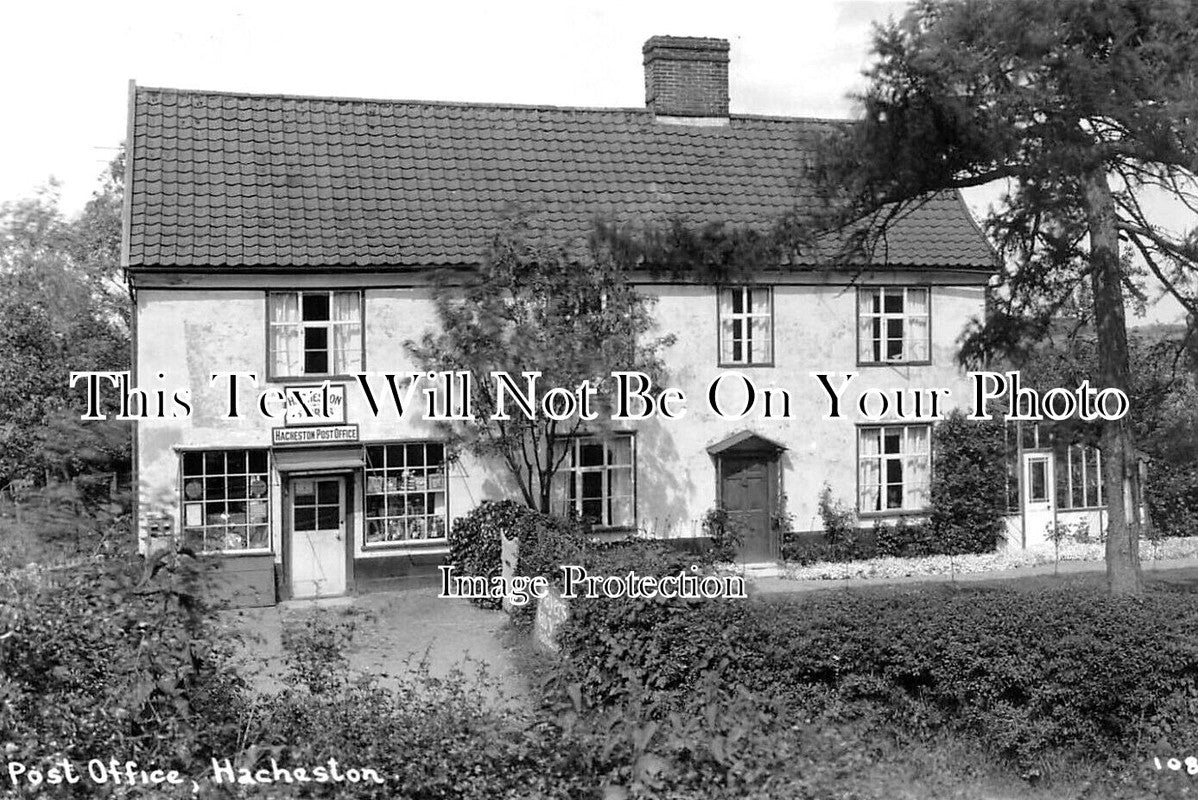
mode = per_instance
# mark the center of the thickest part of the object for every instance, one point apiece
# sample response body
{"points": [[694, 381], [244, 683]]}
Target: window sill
{"points": [[754, 365], [894, 513], [924, 363], [236, 553], [419, 545], [347, 378]]}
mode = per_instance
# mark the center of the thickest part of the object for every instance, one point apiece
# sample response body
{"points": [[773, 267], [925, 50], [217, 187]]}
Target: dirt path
{"points": [[393, 632]]}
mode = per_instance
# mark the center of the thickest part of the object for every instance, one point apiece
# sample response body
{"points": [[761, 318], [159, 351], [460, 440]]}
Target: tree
{"points": [[1086, 111], [65, 308], [536, 306]]}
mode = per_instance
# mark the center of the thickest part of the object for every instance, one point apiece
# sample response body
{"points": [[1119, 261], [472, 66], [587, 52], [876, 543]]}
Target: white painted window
{"points": [[599, 477], [746, 325], [226, 500], [1079, 477], [893, 324], [894, 468], [406, 493], [315, 333]]}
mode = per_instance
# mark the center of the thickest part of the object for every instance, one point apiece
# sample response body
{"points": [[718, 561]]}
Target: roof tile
{"points": [[236, 181]]}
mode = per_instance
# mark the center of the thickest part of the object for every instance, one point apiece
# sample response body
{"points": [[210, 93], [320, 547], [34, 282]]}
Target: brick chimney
{"points": [[686, 76]]}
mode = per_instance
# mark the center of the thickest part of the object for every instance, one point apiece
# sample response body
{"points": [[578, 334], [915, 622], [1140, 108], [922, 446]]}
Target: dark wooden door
{"points": [[746, 496]]}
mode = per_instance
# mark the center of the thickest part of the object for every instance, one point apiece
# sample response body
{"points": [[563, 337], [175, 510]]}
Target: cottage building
{"points": [[291, 240]]}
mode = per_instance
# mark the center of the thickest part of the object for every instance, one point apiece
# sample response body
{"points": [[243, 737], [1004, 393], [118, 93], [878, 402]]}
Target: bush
{"points": [[904, 539], [314, 651], [475, 541], [116, 656], [1020, 672], [548, 542], [725, 533], [968, 485]]}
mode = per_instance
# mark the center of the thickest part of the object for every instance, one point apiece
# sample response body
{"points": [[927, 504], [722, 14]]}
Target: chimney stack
{"points": [[686, 76]]}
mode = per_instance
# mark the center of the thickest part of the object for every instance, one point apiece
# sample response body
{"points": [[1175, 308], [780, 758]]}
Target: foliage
{"points": [[840, 526], [314, 651], [968, 485], [115, 656], [543, 542], [1023, 673], [725, 532], [1084, 112], [537, 307], [65, 310], [476, 541], [546, 543]]}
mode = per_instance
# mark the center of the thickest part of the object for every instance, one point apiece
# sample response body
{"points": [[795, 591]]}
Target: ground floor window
{"points": [[894, 468], [600, 479], [226, 500], [1079, 477], [405, 493]]}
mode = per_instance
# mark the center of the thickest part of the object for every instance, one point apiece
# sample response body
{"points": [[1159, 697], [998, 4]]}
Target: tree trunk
{"points": [[1121, 477]]}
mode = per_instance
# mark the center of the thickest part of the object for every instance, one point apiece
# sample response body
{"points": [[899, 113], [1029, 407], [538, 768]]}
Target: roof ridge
{"points": [[465, 104]]}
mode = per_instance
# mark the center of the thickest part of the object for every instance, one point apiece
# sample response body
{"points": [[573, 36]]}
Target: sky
{"points": [[65, 67], [68, 68]]}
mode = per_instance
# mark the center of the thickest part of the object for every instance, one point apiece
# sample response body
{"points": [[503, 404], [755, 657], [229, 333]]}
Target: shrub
{"points": [[314, 651], [545, 542], [548, 542], [1021, 672], [725, 533], [904, 539], [475, 540], [968, 485], [116, 656]]}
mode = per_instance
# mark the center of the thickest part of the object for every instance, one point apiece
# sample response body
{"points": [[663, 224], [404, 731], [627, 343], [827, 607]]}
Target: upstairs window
{"points": [[746, 326], [315, 333], [893, 325]]}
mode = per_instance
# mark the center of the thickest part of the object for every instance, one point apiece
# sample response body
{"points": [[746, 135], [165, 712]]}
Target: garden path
{"points": [[393, 632]]}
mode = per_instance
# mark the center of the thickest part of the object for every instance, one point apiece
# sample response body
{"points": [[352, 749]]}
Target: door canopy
{"points": [[745, 443]]}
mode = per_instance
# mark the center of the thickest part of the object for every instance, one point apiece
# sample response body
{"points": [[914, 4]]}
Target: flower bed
{"points": [[1165, 550]]}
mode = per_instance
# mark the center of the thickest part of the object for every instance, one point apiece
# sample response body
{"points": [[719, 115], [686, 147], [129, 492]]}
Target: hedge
{"points": [[1022, 672]]}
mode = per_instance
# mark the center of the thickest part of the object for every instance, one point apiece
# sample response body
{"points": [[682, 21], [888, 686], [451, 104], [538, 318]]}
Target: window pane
{"points": [[316, 307], [304, 518], [761, 340], [917, 302], [893, 301], [193, 464], [316, 361], [328, 518], [327, 492], [1037, 480]]}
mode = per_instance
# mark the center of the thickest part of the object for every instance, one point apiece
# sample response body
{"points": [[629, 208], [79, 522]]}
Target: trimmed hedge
{"points": [[1022, 672]]}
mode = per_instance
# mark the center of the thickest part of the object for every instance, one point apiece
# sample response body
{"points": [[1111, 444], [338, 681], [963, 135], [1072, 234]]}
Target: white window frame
{"points": [[572, 472], [873, 326], [191, 503], [907, 454], [1084, 454], [354, 360], [754, 352]]}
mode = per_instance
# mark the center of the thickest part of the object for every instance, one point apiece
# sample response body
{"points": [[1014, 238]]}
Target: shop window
{"points": [[406, 497], [226, 500]]}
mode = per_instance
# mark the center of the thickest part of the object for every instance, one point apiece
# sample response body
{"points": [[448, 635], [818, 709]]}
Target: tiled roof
{"points": [[244, 181]]}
